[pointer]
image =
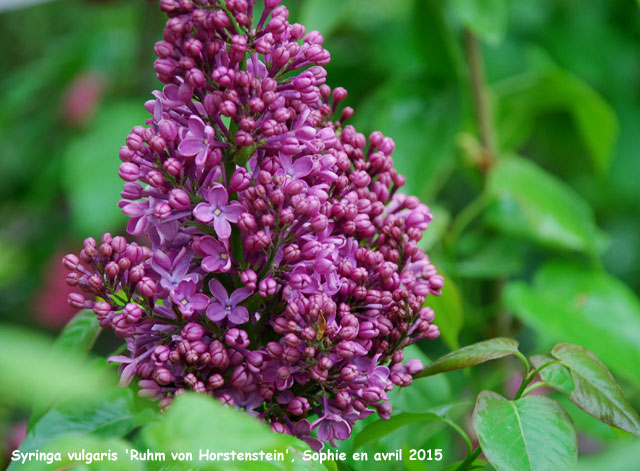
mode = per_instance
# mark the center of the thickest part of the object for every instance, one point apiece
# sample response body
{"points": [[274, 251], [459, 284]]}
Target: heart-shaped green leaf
{"points": [[471, 355], [555, 375], [596, 391], [532, 433]]}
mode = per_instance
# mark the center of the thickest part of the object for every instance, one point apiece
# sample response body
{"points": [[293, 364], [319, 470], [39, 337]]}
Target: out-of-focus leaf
{"points": [[381, 428], [75, 444], [6, 5], [80, 332], [486, 18], [489, 256], [585, 307], [557, 376], [618, 456], [530, 203], [196, 422], [471, 355], [449, 312], [38, 372], [91, 169], [437, 227], [596, 390], [425, 143], [325, 15], [532, 433], [77, 337], [524, 98], [110, 415]]}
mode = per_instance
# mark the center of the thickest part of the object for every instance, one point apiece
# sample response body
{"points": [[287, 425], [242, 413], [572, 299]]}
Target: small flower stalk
{"points": [[282, 273]]}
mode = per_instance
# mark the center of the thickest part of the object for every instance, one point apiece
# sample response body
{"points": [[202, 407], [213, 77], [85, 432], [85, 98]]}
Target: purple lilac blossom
{"points": [[282, 274]]}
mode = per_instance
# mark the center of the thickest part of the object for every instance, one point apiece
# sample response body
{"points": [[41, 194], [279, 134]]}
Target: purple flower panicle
{"points": [[282, 274]]}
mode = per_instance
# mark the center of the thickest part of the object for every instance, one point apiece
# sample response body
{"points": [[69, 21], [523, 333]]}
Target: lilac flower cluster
{"points": [[284, 275]]}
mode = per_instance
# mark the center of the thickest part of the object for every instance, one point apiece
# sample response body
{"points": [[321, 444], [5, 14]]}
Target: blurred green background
{"points": [[516, 121]]}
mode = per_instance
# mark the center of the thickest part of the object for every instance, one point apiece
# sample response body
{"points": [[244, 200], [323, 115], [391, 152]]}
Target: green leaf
{"points": [[80, 333], [471, 355], [76, 443], [381, 428], [596, 390], [532, 433], [449, 312], [524, 98], [489, 256], [557, 376], [436, 229], [196, 422], [109, 415], [324, 15], [486, 18], [38, 372], [533, 204], [90, 174], [568, 302], [77, 337]]}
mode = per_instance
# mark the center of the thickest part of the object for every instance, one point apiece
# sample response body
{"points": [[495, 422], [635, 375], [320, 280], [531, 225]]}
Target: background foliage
{"points": [[534, 193]]}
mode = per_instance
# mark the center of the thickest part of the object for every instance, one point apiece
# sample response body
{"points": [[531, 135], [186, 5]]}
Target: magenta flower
{"points": [[185, 297], [172, 272], [217, 210], [198, 140], [224, 306], [332, 427], [217, 257]]}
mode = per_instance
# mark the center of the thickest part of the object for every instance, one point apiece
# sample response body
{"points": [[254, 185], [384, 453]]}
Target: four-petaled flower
{"points": [[227, 306], [217, 210], [217, 258], [185, 297], [198, 140]]}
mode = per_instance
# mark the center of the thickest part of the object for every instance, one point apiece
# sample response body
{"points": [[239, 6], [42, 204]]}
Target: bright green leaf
{"points": [[76, 443], [80, 333], [533, 204], [471, 355], [196, 422], [449, 312], [533, 433], [486, 18], [571, 303], [596, 390], [91, 169], [437, 227], [38, 372], [557, 376]]}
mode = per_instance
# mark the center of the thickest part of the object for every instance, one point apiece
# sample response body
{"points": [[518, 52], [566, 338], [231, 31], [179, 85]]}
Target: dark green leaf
{"points": [[437, 227], [596, 390], [489, 256], [381, 428], [530, 203], [486, 18], [571, 303], [557, 376], [471, 355], [449, 312], [532, 433], [522, 99]]}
